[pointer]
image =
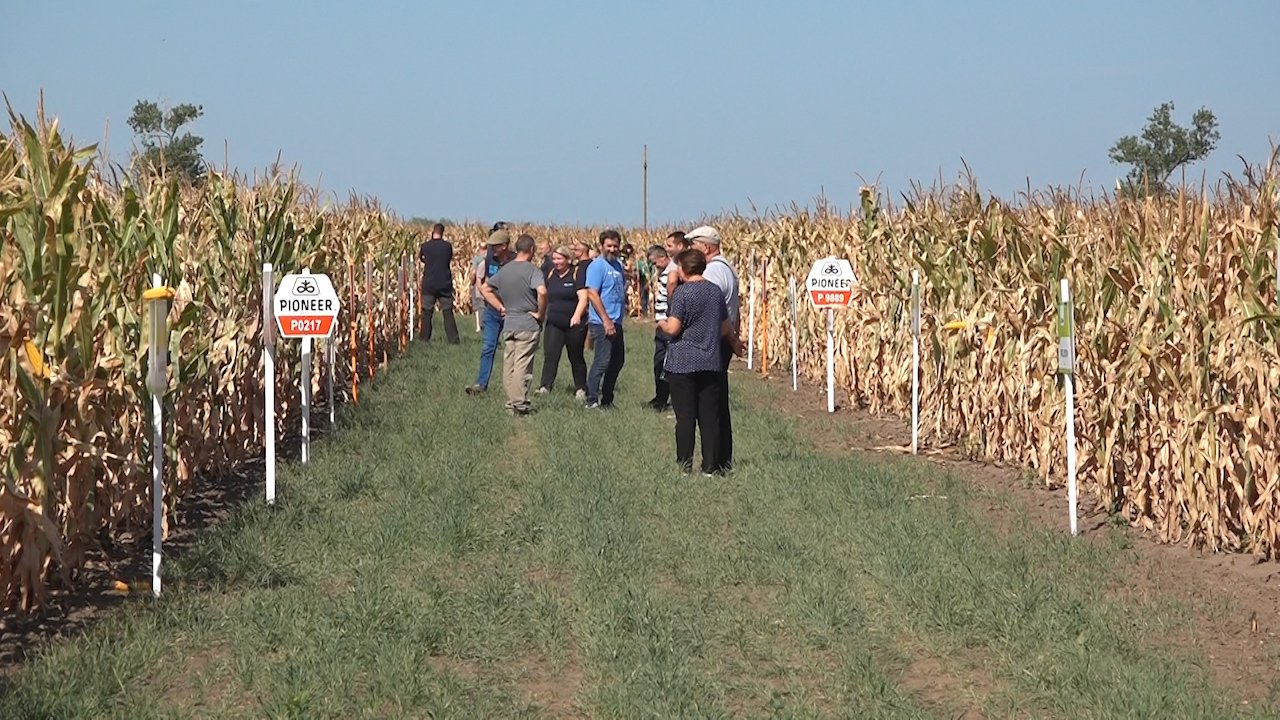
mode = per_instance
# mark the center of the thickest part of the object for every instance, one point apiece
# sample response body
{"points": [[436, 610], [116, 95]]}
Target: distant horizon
{"points": [[542, 111]]}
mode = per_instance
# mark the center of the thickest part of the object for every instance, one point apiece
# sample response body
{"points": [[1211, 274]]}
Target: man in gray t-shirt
{"points": [[519, 293]]}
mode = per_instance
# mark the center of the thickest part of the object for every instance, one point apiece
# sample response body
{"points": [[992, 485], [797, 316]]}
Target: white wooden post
{"points": [[791, 287], [330, 351], [157, 383], [1067, 366], [269, 378], [831, 360], [306, 393], [915, 361], [413, 309], [751, 313]]}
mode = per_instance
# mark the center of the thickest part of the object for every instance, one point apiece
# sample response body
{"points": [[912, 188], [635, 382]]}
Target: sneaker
{"points": [[592, 406], [476, 389], [580, 394], [541, 391]]}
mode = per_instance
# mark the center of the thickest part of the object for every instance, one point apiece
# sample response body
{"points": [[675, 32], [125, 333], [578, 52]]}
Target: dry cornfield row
{"points": [[1174, 314], [1176, 339], [76, 253]]}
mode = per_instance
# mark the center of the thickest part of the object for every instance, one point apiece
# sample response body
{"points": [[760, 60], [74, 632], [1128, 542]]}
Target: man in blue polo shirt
{"points": [[607, 293]]}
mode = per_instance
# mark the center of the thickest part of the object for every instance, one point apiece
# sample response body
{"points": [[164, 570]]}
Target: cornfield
{"points": [[1176, 338], [1175, 317], [76, 253]]}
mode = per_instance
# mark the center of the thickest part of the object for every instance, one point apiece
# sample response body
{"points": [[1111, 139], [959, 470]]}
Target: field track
{"points": [[440, 559]]}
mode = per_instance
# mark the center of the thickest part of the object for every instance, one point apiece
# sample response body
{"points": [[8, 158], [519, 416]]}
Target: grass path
{"points": [[440, 559]]}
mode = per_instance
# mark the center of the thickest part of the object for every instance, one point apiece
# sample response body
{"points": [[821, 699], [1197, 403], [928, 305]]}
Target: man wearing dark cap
{"points": [[499, 253], [436, 255]]}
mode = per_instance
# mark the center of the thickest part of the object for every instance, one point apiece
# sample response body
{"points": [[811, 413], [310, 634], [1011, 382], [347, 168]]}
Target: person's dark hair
{"points": [[628, 249], [610, 235], [692, 262], [437, 230], [500, 225], [657, 251], [524, 244], [679, 236]]}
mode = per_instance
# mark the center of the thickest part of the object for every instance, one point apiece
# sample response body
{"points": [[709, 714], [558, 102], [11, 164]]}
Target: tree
{"points": [[1165, 146], [162, 146]]}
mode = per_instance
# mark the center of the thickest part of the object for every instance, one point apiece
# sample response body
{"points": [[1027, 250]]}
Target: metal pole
{"points": [[646, 188]]}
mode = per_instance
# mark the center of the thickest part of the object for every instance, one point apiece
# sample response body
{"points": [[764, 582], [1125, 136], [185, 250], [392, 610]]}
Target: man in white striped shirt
{"points": [[664, 259]]}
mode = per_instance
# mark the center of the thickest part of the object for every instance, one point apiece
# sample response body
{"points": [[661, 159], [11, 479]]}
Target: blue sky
{"points": [[537, 111]]}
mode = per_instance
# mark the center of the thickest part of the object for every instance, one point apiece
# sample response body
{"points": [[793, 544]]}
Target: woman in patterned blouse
{"points": [[696, 321]]}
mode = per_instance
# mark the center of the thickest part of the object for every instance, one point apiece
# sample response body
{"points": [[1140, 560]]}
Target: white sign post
{"points": [[830, 285], [306, 306], [1067, 367], [915, 361], [413, 310], [157, 382], [751, 313], [306, 394], [791, 290], [269, 380], [330, 350]]}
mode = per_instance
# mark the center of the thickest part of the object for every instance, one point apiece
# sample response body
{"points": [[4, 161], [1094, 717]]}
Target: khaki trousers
{"points": [[519, 349]]}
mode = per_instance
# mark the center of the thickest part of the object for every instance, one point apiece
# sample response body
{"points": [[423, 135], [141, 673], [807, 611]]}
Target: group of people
{"points": [[575, 297]]}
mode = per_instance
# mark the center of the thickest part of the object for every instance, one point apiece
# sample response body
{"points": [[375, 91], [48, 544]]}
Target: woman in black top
{"points": [[566, 326]]}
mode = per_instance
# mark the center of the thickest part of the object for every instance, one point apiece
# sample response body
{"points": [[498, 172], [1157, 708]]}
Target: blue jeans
{"points": [[492, 327], [606, 364]]}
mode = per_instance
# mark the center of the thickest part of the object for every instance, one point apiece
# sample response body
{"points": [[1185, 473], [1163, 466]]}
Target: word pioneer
{"points": [[831, 282], [306, 305]]}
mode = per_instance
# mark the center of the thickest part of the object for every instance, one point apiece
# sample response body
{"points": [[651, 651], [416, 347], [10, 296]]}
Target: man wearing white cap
{"points": [[722, 275]]}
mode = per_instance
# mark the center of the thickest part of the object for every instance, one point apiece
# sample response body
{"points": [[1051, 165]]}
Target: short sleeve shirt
{"points": [[517, 286], [660, 294], [700, 308], [605, 277], [437, 257], [720, 273]]}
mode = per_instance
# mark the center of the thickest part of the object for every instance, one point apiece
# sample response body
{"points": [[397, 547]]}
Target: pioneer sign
{"points": [[306, 305], [830, 283]]}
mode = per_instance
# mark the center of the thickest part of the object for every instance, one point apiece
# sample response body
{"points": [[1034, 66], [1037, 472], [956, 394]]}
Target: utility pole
{"points": [[646, 188]]}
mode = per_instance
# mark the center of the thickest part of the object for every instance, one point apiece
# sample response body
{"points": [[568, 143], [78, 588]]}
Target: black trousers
{"points": [[570, 339], [726, 422], [697, 400], [429, 300], [661, 389]]}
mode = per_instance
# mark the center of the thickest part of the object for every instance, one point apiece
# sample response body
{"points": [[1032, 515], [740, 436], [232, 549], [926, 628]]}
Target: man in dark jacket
{"points": [[437, 283]]}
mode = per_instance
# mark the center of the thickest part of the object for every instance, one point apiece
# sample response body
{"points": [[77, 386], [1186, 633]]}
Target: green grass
{"points": [[441, 559]]}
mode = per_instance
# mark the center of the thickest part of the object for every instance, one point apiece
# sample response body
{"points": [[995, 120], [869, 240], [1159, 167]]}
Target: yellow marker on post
{"points": [[157, 298]]}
